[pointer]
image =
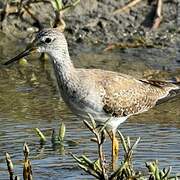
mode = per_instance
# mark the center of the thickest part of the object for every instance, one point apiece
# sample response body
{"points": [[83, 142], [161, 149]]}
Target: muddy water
{"points": [[29, 99]]}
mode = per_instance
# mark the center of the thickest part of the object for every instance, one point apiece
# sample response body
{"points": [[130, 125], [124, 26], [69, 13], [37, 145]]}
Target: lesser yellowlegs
{"points": [[103, 94]]}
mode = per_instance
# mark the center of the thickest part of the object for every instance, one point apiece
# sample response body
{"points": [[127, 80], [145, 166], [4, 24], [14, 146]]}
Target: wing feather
{"points": [[123, 95]]}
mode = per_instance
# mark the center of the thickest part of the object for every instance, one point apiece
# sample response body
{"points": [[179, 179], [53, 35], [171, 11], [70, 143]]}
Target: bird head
{"points": [[47, 40]]}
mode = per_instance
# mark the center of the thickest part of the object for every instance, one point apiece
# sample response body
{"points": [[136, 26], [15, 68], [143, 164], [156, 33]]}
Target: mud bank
{"points": [[93, 21]]}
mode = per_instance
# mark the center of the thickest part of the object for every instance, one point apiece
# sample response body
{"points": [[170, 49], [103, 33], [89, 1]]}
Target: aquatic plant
{"points": [[27, 168], [55, 139], [59, 139], [101, 170], [157, 174], [10, 167], [42, 138], [98, 168]]}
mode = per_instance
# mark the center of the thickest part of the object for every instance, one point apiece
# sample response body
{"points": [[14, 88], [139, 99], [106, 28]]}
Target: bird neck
{"points": [[64, 69]]}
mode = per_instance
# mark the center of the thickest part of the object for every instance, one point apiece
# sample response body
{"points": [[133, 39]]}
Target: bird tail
{"points": [[177, 83], [172, 93]]}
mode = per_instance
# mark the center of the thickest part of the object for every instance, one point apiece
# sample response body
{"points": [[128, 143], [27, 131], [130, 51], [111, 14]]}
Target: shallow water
{"points": [[29, 99]]}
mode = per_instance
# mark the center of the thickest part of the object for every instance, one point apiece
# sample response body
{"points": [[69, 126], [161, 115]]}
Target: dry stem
{"points": [[126, 7], [27, 169], [100, 137], [158, 16], [10, 166]]}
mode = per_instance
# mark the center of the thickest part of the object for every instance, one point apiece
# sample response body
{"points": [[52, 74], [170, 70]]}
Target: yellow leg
{"points": [[115, 150]]}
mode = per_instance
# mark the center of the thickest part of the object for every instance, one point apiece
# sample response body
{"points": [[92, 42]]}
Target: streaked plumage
{"points": [[103, 94], [107, 94]]}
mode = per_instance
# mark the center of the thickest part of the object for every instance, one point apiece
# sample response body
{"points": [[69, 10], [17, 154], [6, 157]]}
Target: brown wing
{"points": [[124, 95], [172, 87]]}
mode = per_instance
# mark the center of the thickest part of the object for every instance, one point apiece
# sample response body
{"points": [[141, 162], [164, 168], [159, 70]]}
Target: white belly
{"points": [[92, 104], [99, 115]]}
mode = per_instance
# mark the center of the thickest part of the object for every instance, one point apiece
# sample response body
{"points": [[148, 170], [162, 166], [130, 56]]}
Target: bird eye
{"points": [[47, 40]]}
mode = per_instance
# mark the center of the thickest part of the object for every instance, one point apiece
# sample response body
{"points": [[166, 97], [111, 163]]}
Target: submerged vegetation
{"points": [[27, 169], [55, 139], [99, 168]]}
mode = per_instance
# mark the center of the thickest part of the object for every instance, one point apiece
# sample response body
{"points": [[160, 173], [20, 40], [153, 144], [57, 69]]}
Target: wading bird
{"points": [[103, 94]]}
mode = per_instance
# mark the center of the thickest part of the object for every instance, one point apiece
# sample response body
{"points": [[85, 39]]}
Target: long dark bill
{"points": [[21, 55]]}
